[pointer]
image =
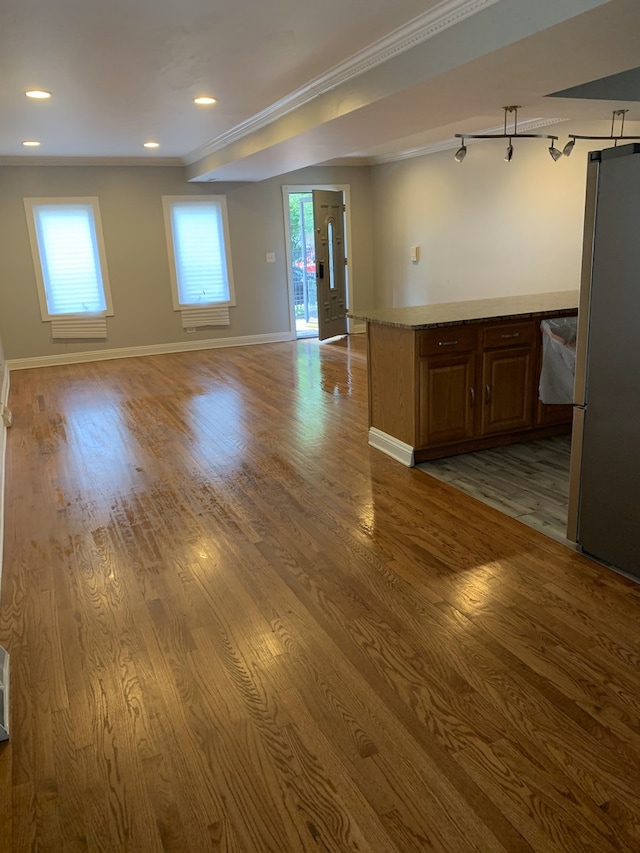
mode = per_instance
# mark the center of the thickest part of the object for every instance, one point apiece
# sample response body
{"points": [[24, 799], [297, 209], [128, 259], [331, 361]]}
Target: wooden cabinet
{"points": [[506, 390], [507, 377], [556, 414], [446, 399], [446, 384], [455, 388]]}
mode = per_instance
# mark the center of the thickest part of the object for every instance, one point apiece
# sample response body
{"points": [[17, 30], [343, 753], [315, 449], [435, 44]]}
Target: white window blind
{"points": [[68, 258], [198, 235]]}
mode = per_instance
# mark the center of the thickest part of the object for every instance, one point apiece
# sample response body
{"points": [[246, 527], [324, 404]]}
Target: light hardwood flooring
{"points": [[234, 626], [528, 481]]}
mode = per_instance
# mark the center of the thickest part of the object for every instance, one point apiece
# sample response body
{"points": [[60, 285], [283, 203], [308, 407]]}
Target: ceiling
{"points": [[298, 83]]}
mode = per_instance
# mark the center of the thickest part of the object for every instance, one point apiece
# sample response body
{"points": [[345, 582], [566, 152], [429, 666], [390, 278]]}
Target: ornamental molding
{"points": [[431, 23]]}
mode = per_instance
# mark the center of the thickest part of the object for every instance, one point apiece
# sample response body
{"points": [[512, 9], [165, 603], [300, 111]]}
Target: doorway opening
{"points": [[302, 267], [303, 264]]}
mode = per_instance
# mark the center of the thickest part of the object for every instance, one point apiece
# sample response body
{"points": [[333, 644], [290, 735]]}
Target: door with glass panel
{"points": [[328, 219]]}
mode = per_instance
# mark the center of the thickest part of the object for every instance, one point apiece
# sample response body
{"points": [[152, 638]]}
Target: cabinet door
{"points": [[446, 399], [507, 380]]}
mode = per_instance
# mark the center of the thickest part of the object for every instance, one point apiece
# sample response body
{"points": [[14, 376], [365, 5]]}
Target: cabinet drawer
{"points": [[447, 339], [509, 334]]}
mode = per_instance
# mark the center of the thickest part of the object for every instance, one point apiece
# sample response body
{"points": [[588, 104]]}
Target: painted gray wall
{"points": [[485, 227], [137, 260]]}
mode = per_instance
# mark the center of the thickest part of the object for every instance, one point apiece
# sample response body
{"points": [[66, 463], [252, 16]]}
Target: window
{"points": [[198, 238], [68, 256]]}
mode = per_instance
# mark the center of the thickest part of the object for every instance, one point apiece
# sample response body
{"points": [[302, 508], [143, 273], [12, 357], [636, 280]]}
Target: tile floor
{"points": [[528, 481]]}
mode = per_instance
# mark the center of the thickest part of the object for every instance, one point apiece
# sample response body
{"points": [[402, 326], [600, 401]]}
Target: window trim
{"points": [[29, 204], [167, 201]]}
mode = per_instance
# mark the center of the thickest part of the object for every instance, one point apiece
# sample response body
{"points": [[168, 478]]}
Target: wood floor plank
{"points": [[236, 627]]}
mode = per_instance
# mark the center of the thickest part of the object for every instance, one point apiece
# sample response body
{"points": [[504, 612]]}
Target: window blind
{"points": [[199, 252], [69, 259]]}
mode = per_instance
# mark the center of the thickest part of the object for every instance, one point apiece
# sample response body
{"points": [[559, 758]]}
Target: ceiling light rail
{"points": [[616, 115], [509, 134]]}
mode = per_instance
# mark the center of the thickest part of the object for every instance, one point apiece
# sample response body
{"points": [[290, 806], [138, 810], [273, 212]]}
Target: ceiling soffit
{"points": [[468, 31], [431, 23]]}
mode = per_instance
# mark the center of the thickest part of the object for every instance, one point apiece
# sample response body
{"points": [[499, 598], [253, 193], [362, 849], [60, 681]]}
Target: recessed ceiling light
{"points": [[204, 99], [152, 145], [38, 94], [30, 143]]}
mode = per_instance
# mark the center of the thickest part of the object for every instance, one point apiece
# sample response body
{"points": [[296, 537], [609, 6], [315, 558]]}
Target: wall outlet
{"points": [[191, 330], [271, 257]]}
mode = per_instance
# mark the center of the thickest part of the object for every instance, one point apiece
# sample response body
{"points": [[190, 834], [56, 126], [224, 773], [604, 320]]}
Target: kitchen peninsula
{"points": [[460, 376]]}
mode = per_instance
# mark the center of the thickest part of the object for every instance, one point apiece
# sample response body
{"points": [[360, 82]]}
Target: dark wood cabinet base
{"points": [[425, 454], [453, 389]]}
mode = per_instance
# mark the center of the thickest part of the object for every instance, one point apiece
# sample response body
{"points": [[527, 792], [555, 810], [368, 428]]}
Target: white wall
{"points": [[4, 393], [485, 227], [133, 226]]}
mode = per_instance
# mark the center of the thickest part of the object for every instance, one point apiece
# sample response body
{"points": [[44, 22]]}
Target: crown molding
{"points": [[450, 144], [431, 23], [17, 160]]}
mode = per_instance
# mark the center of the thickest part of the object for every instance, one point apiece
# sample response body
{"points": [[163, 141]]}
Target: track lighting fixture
{"points": [[555, 153], [511, 134], [613, 137], [461, 153]]}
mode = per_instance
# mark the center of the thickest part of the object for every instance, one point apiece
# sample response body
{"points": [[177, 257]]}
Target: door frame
{"points": [[308, 188]]}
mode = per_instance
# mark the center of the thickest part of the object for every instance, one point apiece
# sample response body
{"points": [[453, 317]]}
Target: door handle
{"points": [[320, 269], [472, 394], [447, 343], [487, 393]]}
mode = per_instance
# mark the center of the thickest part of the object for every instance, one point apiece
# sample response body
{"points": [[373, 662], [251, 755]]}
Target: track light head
{"points": [[568, 148], [554, 152], [461, 153], [509, 155]]}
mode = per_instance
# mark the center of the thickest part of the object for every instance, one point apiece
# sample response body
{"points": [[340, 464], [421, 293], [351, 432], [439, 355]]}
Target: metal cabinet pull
{"points": [[487, 393], [447, 343], [512, 335], [472, 394]]}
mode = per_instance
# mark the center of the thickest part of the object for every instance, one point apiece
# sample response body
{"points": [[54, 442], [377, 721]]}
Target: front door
{"points": [[328, 219]]}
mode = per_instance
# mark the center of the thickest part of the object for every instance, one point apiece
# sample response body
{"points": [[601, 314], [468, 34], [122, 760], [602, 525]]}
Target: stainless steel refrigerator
{"points": [[604, 496]]}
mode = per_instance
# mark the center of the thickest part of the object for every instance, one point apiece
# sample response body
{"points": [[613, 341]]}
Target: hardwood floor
{"points": [[236, 627], [528, 481]]}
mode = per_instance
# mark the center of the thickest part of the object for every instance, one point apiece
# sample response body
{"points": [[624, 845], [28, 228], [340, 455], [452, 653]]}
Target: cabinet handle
{"points": [[512, 335], [447, 343], [487, 393], [472, 394]]}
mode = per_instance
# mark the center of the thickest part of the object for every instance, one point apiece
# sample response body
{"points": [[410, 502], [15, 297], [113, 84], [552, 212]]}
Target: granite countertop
{"points": [[472, 311]]}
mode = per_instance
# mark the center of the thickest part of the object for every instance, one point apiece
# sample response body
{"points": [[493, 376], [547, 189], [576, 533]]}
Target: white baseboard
{"points": [[393, 447], [4, 397], [152, 349]]}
